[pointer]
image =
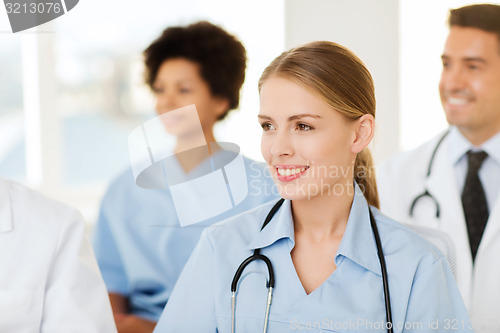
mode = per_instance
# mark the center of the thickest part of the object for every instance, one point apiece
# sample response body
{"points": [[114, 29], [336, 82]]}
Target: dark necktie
{"points": [[474, 201]]}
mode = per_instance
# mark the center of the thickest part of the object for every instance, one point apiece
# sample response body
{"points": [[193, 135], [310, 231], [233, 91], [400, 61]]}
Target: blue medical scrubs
{"points": [[424, 295], [141, 247]]}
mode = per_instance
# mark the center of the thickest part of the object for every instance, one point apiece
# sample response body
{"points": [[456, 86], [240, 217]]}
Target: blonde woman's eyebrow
{"points": [[291, 118], [303, 115], [264, 117]]}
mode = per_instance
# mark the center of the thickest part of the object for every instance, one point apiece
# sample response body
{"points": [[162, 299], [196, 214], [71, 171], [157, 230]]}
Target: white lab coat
{"points": [[49, 279], [403, 178]]}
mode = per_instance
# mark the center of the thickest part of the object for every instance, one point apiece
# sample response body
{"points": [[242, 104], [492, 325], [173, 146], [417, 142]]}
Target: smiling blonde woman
{"points": [[317, 112]]}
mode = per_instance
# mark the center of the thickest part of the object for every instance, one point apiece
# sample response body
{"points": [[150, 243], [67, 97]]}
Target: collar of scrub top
{"points": [[460, 146], [358, 243], [5, 207], [176, 172]]}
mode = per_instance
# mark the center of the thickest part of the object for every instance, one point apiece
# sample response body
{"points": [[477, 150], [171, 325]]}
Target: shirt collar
{"points": [[358, 243], [460, 146], [491, 147], [5, 207], [281, 226]]}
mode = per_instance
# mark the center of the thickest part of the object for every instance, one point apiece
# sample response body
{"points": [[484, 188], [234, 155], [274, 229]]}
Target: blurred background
{"points": [[72, 90]]}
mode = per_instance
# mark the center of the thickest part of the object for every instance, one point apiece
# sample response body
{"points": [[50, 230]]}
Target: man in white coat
{"points": [[49, 278], [462, 182]]}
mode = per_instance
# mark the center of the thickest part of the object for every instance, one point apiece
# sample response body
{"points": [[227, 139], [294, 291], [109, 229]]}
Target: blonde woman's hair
{"points": [[338, 77]]}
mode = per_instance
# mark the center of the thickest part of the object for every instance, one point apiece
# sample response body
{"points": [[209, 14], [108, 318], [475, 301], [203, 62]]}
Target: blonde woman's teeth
{"points": [[290, 172]]}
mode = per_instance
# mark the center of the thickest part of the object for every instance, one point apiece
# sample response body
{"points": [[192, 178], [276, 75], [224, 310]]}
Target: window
{"points": [[76, 89], [12, 152]]}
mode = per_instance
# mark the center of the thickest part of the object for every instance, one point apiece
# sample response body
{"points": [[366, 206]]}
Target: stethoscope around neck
{"points": [[270, 284], [426, 191]]}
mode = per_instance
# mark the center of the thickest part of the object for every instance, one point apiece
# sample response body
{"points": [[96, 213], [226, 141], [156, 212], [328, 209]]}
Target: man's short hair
{"points": [[481, 16]]}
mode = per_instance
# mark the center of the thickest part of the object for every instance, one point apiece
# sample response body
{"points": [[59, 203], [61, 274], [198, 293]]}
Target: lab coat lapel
{"points": [[442, 185], [492, 226], [5, 208], [485, 305]]}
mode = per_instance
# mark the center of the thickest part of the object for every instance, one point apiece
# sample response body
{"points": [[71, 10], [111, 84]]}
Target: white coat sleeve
{"points": [[107, 251], [75, 295], [191, 307]]}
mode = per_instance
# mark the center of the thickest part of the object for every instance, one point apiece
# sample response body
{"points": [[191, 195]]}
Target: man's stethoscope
{"points": [[426, 191], [270, 285]]}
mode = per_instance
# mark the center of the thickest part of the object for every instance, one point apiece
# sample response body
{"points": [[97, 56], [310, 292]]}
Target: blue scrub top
{"points": [[424, 296], [139, 244]]}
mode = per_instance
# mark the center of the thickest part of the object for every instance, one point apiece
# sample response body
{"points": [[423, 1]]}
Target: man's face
{"points": [[470, 82]]}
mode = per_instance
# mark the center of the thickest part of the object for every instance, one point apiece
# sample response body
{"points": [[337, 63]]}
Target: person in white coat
{"points": [[441, 184], [49, 278]]}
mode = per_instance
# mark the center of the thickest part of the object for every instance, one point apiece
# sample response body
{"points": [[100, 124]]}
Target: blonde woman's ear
{"points": [[365, 128]]}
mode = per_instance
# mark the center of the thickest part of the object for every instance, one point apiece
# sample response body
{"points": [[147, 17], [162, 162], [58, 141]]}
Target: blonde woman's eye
{"points": [[267, 126], [304, 127]]}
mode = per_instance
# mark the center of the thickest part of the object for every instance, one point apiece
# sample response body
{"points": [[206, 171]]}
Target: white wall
{"points": [[424, 30], [399, 40], [55, 55], [371, 30]]}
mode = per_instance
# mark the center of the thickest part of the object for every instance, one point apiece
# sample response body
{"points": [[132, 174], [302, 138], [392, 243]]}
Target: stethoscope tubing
{"points": [[426, 192], [383, 268], [270, 284], [256, 256]]}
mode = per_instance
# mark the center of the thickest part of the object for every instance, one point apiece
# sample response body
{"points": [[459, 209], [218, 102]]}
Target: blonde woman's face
{"points": [[306, 144]]}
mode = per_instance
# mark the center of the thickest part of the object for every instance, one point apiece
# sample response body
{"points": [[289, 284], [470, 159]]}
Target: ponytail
{"points": [[364, 175]]}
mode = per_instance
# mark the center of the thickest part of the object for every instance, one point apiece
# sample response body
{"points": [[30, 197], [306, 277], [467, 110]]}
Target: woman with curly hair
{"points": [[139, 244]]}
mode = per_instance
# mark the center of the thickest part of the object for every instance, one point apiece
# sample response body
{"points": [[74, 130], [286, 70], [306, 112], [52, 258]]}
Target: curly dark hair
{"points": [[221, 57]]}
